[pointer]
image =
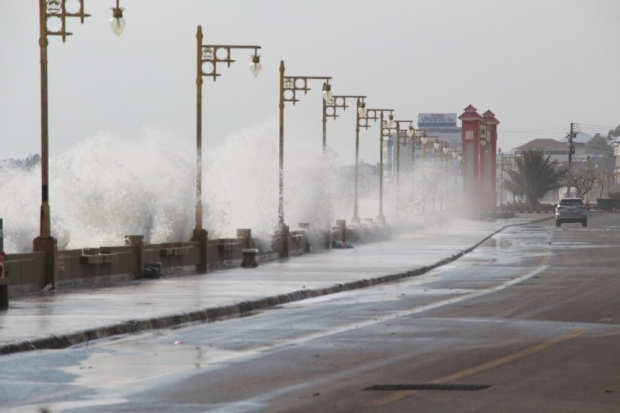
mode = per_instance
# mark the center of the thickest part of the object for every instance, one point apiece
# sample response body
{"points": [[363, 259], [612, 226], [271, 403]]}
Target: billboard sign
{"points": [[437, 120]]}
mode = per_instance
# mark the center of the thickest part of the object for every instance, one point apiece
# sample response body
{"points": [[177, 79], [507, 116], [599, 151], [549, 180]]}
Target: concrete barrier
{"points": [[106, 265], [249, 258], [4, 293]]}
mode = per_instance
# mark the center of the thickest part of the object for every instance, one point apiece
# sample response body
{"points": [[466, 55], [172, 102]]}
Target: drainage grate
{"points": [[429, 386]]}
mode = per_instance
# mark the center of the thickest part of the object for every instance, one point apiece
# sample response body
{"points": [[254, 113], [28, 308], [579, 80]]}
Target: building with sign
{"points": [[437, 120], [440, 127]]}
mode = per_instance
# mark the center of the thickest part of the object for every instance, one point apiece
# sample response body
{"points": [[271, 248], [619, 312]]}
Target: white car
{"points": [[571, 210]]}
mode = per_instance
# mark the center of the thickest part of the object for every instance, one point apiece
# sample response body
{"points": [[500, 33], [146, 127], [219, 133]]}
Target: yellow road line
{"points": [[483, 367]]}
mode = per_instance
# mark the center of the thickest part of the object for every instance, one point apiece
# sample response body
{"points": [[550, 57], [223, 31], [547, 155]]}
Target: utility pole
{"points": [[571, 151]]}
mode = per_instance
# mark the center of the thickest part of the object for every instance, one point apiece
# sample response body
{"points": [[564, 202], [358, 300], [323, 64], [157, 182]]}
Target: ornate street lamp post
{"points": [[423, 141], [445, 155], [384, 133], [214, 54], [289, 86], [401, 135], [437, 167], [54, 9], [411, 134], [359, 115], [330, 110], [331, 106]]}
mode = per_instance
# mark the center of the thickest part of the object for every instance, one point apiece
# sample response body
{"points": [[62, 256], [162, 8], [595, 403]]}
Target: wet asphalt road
{"points": [[534, 313]]}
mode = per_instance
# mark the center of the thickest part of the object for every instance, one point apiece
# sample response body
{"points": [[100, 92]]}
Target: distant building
{"points": [[558, 151], [441, 127], [437, 127]]}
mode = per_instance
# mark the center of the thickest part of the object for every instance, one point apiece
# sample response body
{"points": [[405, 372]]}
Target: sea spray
{"points": [[102, 189], [242, 183], [109, 186]]}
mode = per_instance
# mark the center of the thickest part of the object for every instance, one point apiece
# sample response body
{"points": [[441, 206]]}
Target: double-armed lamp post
{"points": [[360, 114], [384, 133], [213, 54], [330, 109], [289, 86], [423, 142], [56, 9], [445, 154], [401, 136], [412, 133]]}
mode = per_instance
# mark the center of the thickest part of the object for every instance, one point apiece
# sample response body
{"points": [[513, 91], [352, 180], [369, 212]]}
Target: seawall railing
{"points": [[107, 265]]}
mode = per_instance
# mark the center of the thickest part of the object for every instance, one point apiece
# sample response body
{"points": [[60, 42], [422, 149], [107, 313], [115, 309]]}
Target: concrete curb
{"points": [[240, 309]]}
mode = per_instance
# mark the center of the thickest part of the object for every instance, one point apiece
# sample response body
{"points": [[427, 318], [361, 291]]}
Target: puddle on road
{"points": [[578, 245], [135, 363], [499, 244], [64, 406]]}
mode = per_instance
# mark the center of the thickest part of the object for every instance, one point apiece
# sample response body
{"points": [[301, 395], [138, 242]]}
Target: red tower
{"points": [[490, 200], [479, 141]]}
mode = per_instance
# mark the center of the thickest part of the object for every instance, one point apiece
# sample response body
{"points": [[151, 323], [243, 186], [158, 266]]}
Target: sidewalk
{"points": [[64, 318]]}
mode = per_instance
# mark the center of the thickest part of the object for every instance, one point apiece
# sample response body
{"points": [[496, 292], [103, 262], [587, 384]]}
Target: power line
{"points": [[594, 129], [591, 129], [532, 131], [586, 128], [598, 126]]}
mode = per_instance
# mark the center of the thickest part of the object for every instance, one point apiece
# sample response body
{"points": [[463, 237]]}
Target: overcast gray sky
{"points": [[538, 65]]}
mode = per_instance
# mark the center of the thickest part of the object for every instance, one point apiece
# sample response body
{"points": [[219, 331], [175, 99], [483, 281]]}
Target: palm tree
{"points": [[534, 176]]}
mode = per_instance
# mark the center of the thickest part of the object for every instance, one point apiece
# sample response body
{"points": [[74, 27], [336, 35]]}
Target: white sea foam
{"points": [[110, 186]]}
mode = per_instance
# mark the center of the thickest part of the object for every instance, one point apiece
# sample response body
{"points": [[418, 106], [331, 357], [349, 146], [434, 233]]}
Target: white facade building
{"points": [[441, 127]]}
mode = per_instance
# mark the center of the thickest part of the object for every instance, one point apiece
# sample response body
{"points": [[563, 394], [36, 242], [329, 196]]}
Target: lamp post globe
{"points": [[361, 111], [410, 131], [391, 124], [327, 93], [255, 66], [117, 22]]}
